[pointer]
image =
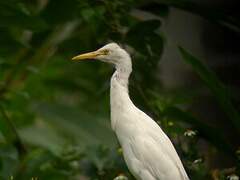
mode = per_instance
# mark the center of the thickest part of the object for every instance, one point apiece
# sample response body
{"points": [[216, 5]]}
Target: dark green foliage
{"points": [[214, 15], [54, 113], [217, 88]]}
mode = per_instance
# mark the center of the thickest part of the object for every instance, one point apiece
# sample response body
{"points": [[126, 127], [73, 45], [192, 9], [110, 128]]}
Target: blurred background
{"points": [[54, 113]]}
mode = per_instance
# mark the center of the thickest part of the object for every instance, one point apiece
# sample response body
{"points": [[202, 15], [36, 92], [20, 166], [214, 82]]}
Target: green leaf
{"points": [[10, 133], [156, 9], [44, 137], [217, 16], [8, 43], [150, 43], [85, 129], [8, 161], [17, 15], [215, 85], [58, 12], [42, 164]]}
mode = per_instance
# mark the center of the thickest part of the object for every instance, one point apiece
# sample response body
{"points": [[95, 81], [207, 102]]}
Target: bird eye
{"points": [[105, 51]]}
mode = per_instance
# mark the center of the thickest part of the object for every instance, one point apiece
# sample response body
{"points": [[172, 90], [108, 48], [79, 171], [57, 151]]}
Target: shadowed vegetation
{"points": [[54, 113]]}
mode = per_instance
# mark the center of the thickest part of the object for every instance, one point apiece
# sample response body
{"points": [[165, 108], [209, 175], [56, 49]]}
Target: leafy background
{"points": [[54, 114]]}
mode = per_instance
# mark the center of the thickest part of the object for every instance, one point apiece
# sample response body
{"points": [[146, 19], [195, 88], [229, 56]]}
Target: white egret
{"points": [[147, 150]]}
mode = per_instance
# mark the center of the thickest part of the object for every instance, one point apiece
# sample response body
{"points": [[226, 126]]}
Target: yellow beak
{"points": [[90, 55]]}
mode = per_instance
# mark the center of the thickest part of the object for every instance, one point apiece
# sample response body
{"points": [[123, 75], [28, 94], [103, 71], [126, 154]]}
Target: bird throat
{"points": [[119, 94]]}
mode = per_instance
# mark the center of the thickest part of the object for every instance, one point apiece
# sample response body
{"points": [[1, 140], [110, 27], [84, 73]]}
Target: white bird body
{"points": [[148, 152]]}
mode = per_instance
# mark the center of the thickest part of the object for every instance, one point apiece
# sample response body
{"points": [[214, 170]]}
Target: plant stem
{"points": [[10, 75], [10, 132]]}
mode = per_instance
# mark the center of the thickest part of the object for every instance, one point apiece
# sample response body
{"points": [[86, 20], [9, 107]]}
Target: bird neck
{"points": [[123, 71], [119, 92], [121, 77]]}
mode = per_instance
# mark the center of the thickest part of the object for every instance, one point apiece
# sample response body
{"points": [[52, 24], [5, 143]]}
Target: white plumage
{"points": [[148, 152]]}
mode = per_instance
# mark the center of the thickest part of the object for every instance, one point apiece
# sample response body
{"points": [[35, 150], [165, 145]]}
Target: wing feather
{"points": [[158, 142]]}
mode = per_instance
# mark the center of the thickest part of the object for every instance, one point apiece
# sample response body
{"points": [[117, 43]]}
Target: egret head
{"points": [[110, 53]]}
